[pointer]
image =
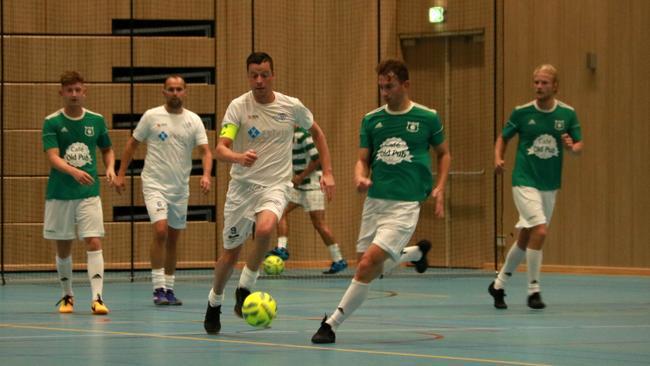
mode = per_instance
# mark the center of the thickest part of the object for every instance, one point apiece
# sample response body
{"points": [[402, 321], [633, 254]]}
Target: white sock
{"points": [[389, 265], [169, 282], [513, 259], [64, 269], [215, 299], [335, 252], [158, 278], [410, 254], [355, 295], [534, 262], [282, 242], [248, 278], [96, 272]]}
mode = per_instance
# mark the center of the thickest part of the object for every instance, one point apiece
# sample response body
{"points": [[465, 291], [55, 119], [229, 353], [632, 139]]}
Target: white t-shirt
{"points": [[170, 139], [267, 129]]}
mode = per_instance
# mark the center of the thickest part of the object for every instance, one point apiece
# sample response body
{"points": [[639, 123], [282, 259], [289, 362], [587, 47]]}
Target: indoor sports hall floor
{"points": [[407, 320]]}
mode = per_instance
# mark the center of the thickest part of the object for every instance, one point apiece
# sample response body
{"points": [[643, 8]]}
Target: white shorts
{"points": [[312, 200], [243, 202], [388, 224], [535, 207], [61, 216], [162, 207]]}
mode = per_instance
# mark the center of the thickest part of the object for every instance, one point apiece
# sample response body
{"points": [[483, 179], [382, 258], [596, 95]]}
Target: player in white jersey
{"points": [[256, 137], [170, 132]]}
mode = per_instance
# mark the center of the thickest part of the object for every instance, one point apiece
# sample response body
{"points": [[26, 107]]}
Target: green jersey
{"points": [[77, 141], [538, 162], [399, 149]]}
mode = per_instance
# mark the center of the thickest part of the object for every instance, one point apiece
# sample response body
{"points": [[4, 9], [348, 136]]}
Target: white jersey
{"points": [[170, 139], [267, 129]]}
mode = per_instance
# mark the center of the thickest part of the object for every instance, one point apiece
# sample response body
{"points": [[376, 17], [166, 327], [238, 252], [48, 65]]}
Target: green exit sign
{"points": [[436, 14]]}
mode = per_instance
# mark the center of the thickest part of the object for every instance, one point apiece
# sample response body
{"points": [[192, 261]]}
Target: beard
{"points": [[175, 103]]}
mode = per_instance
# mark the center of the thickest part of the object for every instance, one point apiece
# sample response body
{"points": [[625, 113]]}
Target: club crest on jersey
{"points": [[163, 136], [412, 126], [559, 124], [89, 131], [254, 132]]}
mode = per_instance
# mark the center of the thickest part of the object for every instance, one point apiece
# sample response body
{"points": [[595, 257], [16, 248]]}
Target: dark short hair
{"points": [[71, 77], [257, 58], [395, 67], [174, 76]]}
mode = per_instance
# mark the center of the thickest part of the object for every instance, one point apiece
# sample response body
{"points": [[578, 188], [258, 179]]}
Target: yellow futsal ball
{"points": [[259, 309], [273, 265]]}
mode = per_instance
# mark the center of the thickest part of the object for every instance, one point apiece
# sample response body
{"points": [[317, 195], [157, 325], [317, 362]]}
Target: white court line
{"points": [[11, 338], [205, 338], [355, 330]]}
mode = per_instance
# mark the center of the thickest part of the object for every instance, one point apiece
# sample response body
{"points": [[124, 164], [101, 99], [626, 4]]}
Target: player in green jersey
{"points": [[70, 137], [544, 126], [395, 143]]}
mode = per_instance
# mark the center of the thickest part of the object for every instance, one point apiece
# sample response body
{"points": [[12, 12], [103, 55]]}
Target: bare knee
{"points": [[367, 269], [93, 244], [160, 231], [264, 229], [160, 234], [539, 232], [229, 257]]}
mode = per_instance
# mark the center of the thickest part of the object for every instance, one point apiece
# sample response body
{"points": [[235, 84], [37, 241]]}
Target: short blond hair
{"points": [[547, 69]]}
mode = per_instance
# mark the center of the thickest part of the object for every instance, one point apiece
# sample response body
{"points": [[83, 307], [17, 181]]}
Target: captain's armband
{"points": [[229, 131]]}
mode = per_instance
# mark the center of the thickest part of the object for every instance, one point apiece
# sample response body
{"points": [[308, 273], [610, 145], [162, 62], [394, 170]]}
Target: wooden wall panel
{"points": [[94, 16], [23, 143], [93, 57], [196, 244], [325, 54], [293, 53], [28, 248], [170, 9], [234, 42], [413, 16], [602, 212], [389, 35], [22, 113], [69, 47], [63, 17], [25, 198], [174, 51], [454, 75]]}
